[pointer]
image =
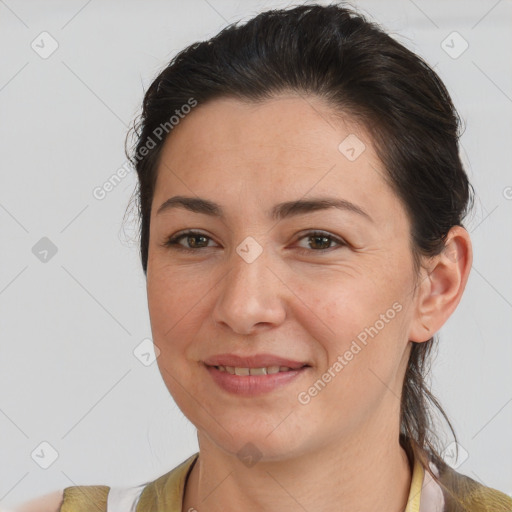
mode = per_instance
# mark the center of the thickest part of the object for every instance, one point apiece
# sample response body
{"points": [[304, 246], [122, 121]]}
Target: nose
{"points": [[251, 296]]}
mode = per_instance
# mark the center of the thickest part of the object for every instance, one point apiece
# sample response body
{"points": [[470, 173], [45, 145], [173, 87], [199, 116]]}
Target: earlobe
{"points": [[442, 288], [426, 327], [420, 330]]}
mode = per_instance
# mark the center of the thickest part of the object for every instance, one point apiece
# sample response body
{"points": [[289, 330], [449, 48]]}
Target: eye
{"points": [[200, 241], [320, 240], [197, 238]]}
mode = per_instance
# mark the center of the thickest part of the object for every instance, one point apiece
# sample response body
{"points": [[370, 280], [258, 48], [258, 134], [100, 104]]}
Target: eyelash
{"points": [[173, 241]]}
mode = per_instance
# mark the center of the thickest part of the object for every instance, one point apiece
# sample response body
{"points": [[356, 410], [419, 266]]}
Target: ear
{"points": [[441, 285]]}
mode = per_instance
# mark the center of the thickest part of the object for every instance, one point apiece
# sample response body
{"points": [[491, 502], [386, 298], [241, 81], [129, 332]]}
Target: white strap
{"points": [[124, 499], [432, 498]]}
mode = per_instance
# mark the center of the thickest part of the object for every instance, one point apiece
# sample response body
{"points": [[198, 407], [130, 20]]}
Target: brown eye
{"points": [[320, 241], [194, 240]]}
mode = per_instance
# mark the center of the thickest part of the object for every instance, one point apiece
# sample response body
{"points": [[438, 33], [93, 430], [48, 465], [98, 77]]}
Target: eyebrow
{"points": [[278, 212]]}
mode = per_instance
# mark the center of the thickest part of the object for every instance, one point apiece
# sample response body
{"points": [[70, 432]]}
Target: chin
{"points": [[254, 442]]}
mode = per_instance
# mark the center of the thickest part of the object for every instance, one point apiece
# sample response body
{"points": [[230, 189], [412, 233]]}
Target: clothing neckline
{"points": [[178, 478]]}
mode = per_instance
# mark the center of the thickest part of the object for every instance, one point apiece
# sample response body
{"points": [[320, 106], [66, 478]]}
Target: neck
{"points": [[355, 475]]}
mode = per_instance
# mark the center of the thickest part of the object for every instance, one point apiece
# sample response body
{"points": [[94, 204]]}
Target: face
{"points": [[327, 286]]}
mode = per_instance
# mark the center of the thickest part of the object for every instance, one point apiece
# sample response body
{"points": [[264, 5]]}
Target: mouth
{"points": [[249, 382], [265, 370]]}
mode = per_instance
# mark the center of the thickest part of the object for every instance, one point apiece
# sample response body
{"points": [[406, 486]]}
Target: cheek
{"points": [[341, 306], [360, 323], [172, 291], [173, 303]]}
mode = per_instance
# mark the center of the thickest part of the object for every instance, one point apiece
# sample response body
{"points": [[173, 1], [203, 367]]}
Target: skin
{"points": [[298, 299], [48, 503]]}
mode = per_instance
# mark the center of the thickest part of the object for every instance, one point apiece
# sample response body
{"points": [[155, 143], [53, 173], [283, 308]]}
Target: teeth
{"points": [[253, 371]]}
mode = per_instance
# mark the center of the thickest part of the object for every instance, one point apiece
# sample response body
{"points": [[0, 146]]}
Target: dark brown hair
{"points": [[337, 54]]}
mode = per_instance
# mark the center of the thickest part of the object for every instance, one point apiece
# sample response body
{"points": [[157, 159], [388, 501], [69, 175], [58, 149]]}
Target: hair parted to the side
{"points": [[339, 55]]}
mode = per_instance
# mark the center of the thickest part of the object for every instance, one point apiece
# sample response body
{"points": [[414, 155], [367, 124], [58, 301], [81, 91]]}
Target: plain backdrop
{"points": [[79, 404]]}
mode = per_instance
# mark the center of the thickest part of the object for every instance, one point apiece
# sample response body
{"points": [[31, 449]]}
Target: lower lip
{"points": [[252, 385]]}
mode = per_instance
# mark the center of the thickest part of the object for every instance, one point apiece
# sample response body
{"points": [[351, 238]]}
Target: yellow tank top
{"points": [[425, 495]]}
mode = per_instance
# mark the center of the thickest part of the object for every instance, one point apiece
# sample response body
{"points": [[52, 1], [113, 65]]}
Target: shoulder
{"points": [[48, 503], [71, 499], [82, 498], [101, 498], [465, 494]]}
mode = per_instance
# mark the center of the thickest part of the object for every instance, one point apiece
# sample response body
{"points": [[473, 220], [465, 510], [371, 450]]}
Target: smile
{"points": [[253, 381], [233, 370]]}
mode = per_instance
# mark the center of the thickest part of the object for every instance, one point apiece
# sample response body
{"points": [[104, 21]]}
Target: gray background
{"points": [[70, 325]]}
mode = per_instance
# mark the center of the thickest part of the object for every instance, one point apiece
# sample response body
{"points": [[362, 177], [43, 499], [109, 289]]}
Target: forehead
{"points": [[283, 148]]}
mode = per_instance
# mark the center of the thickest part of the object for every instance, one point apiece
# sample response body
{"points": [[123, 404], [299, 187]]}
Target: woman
{"points": [[301, 202]]}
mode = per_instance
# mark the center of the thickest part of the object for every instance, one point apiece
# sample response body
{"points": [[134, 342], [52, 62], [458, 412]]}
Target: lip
{"points": [[252, 385], [254, 361]]}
